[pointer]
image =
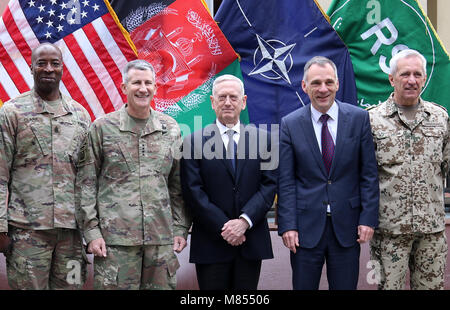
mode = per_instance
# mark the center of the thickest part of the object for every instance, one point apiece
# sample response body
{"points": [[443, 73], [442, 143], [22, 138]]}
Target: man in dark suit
{"points": [[328, 183], [228, 176]]}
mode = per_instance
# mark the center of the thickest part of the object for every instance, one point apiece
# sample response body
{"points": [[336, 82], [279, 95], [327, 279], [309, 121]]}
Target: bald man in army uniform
{"points": [[41, 132]]}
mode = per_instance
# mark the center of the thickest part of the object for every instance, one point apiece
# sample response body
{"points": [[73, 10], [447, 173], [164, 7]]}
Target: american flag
{"points": [[94, 46]]}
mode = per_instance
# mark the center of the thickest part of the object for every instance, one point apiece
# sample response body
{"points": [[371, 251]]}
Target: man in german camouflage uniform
{"points": [[411, 136], [131, 210], [41, 132]]}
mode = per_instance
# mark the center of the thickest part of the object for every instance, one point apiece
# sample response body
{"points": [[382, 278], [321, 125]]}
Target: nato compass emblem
{"points": [[273, 59]]}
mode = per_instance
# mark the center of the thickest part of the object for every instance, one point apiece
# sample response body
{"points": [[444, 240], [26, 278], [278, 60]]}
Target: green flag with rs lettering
{"points": [[374, 31]]}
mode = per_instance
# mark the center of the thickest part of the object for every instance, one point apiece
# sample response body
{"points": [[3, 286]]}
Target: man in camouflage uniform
{"points": [[41, 132], [131, 210], [411, 137]]}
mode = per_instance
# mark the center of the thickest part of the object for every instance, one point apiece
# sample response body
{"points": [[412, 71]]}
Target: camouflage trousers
{"points": [[149, 267], [424, 254], [45, 259]]}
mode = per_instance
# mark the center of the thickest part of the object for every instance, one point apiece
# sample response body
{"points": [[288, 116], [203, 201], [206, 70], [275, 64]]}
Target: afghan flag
{"points": [[374, 31], [275, 39], [188, 51]]}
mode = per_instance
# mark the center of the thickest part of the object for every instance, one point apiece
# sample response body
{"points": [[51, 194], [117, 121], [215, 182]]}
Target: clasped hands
{"points": [[233, 231]]}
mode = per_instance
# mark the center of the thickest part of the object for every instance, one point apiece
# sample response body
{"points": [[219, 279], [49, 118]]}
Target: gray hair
{"points": [[321, 61], [404, 54], [138, 64], [228, 77]]}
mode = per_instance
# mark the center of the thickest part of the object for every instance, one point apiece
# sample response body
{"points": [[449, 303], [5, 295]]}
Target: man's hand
{"points": [[179, 243], [97, 247], [5, 243], [365, 233], [233, 231], [238, 241], [290, 240]]}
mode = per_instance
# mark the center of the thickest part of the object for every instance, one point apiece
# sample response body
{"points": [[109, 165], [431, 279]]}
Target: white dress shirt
{"points": [[223, 132], [333, 112], [237, 132]]}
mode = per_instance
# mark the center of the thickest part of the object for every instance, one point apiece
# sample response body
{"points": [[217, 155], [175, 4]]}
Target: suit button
{"points": [[329, 181]]}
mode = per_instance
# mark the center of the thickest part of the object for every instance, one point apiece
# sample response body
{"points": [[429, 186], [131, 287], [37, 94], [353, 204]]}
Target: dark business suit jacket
{"points": [[215, 194], [305, 188]]}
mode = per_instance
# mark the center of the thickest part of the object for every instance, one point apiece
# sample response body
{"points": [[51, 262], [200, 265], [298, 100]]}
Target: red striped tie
{"points": [[327, 143]]}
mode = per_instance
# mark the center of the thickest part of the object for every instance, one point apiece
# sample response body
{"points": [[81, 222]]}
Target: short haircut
{"points": [[228, 77], [321, 61], [138, 64], [404, 54], [42, 45]]}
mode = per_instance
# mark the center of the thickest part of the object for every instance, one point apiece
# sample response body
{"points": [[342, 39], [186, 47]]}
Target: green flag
{"points": [[374, 31]]}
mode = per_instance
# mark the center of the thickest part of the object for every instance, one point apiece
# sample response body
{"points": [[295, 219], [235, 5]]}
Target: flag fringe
{"points": [[217, 23], [206, 7], [432, 28], [329, 21], [119, 24], [323, 12]]}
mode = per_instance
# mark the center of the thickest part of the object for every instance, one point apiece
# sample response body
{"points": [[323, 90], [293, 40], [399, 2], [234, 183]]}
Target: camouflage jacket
{"points": [[412, 161], [130, 183], [38, 154]]}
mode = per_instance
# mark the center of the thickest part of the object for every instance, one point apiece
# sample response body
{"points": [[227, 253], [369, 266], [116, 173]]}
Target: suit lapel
{"points": [[342, 132], [220, 153], [310, 137], [242, 153]]}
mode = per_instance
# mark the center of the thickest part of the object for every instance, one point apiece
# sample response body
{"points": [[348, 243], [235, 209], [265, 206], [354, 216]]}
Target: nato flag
{"points": [[275, 38]]}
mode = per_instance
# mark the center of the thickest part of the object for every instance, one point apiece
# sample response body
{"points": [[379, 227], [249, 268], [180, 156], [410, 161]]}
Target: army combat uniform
{"points": [[39, 144], [131, 197], [412, 158]]}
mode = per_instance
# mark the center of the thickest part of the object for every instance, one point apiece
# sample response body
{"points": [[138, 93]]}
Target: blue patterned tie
{"points": [[231, 148], [327, 143]]}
